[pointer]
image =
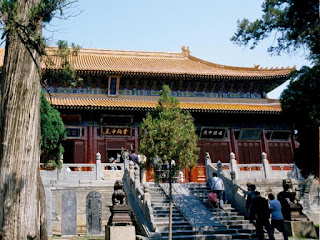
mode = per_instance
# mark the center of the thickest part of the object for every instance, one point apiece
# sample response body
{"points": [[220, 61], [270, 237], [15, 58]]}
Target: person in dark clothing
{"points": [[249, 202], [262, 214], [133, 156]]}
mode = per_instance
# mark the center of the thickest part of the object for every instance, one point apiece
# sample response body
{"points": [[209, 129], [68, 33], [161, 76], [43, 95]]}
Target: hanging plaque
{"points": [[213, 133], [115, 131]]}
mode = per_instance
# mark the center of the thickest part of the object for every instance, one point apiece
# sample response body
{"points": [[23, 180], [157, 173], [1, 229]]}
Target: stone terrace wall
{"points": [[55, 205]]}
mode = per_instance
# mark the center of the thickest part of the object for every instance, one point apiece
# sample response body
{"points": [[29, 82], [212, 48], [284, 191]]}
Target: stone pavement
{"points": [[192, 208]]}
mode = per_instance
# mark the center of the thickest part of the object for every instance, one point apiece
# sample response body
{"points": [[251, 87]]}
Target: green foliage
{"points": [[168, 133], [295, 22], [66, 76], [28, 27], [301, 103], [52, 132]]}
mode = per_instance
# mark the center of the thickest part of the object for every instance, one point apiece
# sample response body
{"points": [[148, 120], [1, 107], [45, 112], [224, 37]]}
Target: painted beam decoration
{"points": [[113, 131], [213, 133]]}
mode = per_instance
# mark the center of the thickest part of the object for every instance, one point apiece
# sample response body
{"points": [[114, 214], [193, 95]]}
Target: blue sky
{"points": [[165, 26]]}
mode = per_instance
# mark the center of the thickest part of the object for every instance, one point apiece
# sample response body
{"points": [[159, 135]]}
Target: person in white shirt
{"points": [[276, 216], [217, 187]]}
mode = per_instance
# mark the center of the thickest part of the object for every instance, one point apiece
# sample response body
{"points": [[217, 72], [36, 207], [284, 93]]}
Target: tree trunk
{"points": [[20, 182]]}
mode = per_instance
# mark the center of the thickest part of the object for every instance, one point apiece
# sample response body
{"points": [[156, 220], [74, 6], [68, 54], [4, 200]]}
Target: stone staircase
{"points": [[228, 216], [233, 225]]}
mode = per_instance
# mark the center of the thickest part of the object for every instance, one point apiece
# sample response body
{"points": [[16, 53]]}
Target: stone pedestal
{"points": [[301, 229], [120, 215], [120, 233]]}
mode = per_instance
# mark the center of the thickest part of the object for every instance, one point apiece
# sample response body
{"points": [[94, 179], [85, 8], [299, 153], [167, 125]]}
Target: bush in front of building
{"points": [[52, 134]]}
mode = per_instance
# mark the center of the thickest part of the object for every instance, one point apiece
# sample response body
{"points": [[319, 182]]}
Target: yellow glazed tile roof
{"points": [[155, 63], [136, 103]]}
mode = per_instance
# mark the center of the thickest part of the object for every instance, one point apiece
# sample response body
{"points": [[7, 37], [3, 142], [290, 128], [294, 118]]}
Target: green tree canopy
{"points": [[169, 134], [52, 133], [295, 25]]}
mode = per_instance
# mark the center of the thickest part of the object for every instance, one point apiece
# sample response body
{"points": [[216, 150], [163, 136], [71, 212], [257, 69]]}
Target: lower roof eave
{"points": [[228, 111]]}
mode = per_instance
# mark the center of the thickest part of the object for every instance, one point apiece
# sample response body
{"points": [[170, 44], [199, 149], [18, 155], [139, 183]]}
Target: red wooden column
{"points": [[90, 155], [264, 143], [234, 145]]}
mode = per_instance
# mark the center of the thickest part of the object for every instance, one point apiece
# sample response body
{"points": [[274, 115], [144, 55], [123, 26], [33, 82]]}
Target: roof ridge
{"points": [[255, 68], [125, 53]]}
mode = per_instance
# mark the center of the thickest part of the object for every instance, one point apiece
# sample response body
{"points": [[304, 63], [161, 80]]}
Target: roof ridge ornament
{"points": [[185, 51]]}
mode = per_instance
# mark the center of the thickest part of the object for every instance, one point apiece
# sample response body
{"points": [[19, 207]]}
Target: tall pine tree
{"points": [[168, 135]]}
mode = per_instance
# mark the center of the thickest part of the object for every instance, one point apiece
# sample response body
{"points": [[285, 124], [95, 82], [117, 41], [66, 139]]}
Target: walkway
{"points": [[191, 207]]}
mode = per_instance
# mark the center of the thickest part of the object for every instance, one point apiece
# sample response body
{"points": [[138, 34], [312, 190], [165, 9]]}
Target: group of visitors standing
{"points": [[260, 210], [258, 207]]}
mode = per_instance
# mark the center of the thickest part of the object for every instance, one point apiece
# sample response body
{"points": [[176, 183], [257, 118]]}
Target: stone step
{"points": [[158, 196], [162, 207], [166, 212], [243, 226], [243, 236], [164, 228], [229, 217], [174, 210], [167, 215], [205, 232], [235, 222], [200, 237], [225, 209], [159, 204], [164, 200], [166, 219], [175, 223]]}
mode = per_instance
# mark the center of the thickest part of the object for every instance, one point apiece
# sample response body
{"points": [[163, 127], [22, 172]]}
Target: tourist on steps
{"points": [[276, 216], [249, 202], [262, 214], [217, 187]]}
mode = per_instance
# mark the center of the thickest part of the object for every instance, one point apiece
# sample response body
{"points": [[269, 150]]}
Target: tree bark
{"points": [[20, 181]]}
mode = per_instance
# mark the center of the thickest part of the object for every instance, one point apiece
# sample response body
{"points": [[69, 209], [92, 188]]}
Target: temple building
{"points": [[230, 106]]}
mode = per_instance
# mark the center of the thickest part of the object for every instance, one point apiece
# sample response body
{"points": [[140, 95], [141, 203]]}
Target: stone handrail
{"points": [[256, 171], [141, 196], [75, 172]]}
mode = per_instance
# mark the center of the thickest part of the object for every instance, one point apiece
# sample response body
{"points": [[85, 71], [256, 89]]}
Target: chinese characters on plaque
{"points": [[116, 132], [73, 132], [212, 133]]}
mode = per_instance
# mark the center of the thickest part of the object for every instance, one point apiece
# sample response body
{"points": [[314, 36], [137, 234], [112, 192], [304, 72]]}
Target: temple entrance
{"points": [[68, 152]]}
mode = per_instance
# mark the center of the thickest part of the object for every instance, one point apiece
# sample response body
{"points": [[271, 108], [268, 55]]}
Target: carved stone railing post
{"points": [[131, 176], [60, 172], [98, 166], [208, 162], [146, 195], [219, 164], [233, 165], [266, 166], [234, 187], [137, 179]]}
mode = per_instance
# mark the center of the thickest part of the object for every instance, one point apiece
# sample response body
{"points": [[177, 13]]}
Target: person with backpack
{"points": [[212, 199], [217, 187]]}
